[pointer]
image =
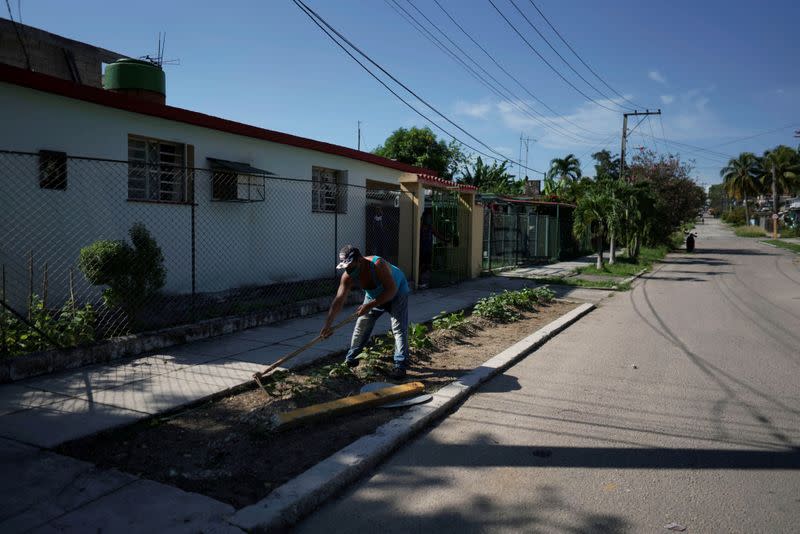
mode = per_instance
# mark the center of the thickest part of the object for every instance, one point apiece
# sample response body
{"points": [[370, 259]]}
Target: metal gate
{"points": [[450, 228]]}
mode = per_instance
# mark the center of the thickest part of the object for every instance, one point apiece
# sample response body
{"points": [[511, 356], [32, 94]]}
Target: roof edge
{"points": [[102, 97]]}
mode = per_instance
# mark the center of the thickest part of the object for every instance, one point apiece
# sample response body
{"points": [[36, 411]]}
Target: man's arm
{"points": [[336, 306]]}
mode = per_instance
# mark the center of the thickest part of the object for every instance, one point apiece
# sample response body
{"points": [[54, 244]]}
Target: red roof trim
{"points": [[435, 181], [50, 84]]}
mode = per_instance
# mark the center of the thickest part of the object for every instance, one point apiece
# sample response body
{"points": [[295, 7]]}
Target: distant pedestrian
{"points": [[386, 290]]}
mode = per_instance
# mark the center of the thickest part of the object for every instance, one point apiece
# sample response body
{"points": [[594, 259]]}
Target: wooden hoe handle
{"points": [[258, 376]]}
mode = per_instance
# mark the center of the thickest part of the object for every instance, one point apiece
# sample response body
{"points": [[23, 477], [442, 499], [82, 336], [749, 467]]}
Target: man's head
{"points": [[349, 257]]}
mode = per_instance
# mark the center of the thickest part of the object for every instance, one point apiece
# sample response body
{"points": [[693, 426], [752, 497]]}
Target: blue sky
{"points": [[719, 70]]}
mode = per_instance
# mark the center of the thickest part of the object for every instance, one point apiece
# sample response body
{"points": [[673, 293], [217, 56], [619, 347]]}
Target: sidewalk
{"points": [[40, 487]]}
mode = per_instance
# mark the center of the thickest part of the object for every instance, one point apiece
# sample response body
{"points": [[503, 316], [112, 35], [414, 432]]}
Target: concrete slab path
{"points": [[49, 492]]}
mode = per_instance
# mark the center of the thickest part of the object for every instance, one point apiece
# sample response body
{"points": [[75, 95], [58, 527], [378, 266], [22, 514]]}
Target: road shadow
{"points": [[734, 252], [686, 260], [482, 451], [543, 509], [501, 384], [674, 278]]}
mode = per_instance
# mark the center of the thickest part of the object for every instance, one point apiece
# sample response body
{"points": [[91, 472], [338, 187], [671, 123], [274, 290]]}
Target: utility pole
{"points": [[359, 135], [625, 135]]}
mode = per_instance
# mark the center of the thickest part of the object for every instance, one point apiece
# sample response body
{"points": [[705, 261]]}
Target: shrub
{"points": [[495, 308], [68, 327], [749, 231], [788, 231], [451, 321], [736, 216], [133, 274]]}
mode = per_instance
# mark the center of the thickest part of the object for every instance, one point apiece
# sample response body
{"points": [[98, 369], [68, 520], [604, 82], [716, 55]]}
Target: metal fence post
{"points": [[193, 312]]}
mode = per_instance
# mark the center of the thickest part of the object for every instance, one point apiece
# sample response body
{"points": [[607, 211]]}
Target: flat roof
{"points": [[102, 97]]}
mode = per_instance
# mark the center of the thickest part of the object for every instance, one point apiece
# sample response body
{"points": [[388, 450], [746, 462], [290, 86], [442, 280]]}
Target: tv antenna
{"points": [[159, 57]]}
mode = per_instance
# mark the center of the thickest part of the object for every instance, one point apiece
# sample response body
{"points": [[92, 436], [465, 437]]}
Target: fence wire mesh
{"points": [[518, 234], [92, 249]]}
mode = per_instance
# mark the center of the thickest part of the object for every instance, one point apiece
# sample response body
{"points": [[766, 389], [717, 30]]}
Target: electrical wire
{"points": [[793, 125], [581, 59], [514, 100], [21, 41], [567, 63], [505, 71], [547, 62], [322, 24]]}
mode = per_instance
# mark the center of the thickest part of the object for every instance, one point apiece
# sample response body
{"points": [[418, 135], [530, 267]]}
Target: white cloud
{"points": [[667, 99], [506, 151], [477, 111], [550, 130], [656, 76]]}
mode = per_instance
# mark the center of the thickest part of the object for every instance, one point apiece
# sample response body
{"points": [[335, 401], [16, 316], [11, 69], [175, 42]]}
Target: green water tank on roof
{"points": [[135, 77]]}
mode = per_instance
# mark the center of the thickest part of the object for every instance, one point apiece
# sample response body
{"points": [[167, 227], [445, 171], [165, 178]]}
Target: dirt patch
{"points": [[224, 448]]}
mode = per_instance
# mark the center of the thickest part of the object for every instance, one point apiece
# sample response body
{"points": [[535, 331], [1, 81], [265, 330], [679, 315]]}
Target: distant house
{"points": [[231, 205]]}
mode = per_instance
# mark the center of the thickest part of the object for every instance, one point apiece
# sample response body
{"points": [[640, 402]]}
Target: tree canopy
{"points": [[421, 148]]}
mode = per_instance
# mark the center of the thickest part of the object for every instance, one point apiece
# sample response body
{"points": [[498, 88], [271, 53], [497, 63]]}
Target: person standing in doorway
{"points": [[386, 290]]}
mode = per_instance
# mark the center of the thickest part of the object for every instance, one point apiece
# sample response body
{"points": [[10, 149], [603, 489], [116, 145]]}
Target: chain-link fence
{"points": [[519, 234], [92, 249]]}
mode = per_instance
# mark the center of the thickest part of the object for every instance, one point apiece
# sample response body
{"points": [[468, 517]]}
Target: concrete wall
{"points": [[46, 52], [238, 244], [476, 238]]}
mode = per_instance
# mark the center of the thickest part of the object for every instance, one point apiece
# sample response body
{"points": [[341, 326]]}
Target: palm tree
{"points": [[592, 215], [780, 169], [566, 169], [493, 178], [740, 177]]}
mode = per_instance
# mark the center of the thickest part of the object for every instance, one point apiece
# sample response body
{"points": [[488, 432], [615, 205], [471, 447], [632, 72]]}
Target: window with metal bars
{"points": [[156, 170], [328, 190], [52, 170]]}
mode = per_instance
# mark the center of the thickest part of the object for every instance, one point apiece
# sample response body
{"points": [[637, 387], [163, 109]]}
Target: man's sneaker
{"points": [[397, 372], [351, 363]]}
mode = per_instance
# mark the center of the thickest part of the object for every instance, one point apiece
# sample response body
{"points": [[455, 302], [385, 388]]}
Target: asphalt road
{"points": [[676, 402]]}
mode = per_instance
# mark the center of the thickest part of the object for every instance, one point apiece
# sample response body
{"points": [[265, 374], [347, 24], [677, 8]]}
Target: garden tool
{"points": [[258, 376]]}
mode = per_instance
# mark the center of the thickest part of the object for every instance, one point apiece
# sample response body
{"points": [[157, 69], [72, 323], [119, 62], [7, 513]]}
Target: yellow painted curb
{"points": [[346, 404]]}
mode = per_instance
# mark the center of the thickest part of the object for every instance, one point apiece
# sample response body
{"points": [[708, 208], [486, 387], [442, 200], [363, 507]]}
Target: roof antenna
{"points": [[158, 60]]}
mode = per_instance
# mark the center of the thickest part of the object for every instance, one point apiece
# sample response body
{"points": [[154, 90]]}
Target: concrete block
{"points": [[222, 347], [271, 334], [58, 422], [38, 486], [146, 506], [83, 382], [16, 397]]}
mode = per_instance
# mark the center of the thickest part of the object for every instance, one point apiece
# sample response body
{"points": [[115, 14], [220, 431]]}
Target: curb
{"points": [[295, 499]]}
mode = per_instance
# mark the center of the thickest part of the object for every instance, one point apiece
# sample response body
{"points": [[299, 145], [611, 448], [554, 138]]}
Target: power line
{"points": [[513, 100], [319, 21], [793, 125], [580, 58], [503, 69], [650, 124], [21, 42], [567, 63], [547, 62]]}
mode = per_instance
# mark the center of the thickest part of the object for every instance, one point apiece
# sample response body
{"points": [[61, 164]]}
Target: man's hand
{"points": [[365, 308], [325, 332]]}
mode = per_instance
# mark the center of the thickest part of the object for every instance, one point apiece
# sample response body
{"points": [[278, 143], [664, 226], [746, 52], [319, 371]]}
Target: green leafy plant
{"points": [[496, 309], [68, 326], [449, 321], [418, 337], [133, 273]]}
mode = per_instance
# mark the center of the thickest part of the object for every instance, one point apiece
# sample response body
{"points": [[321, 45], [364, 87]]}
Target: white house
{"points": [[81, 163]]}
